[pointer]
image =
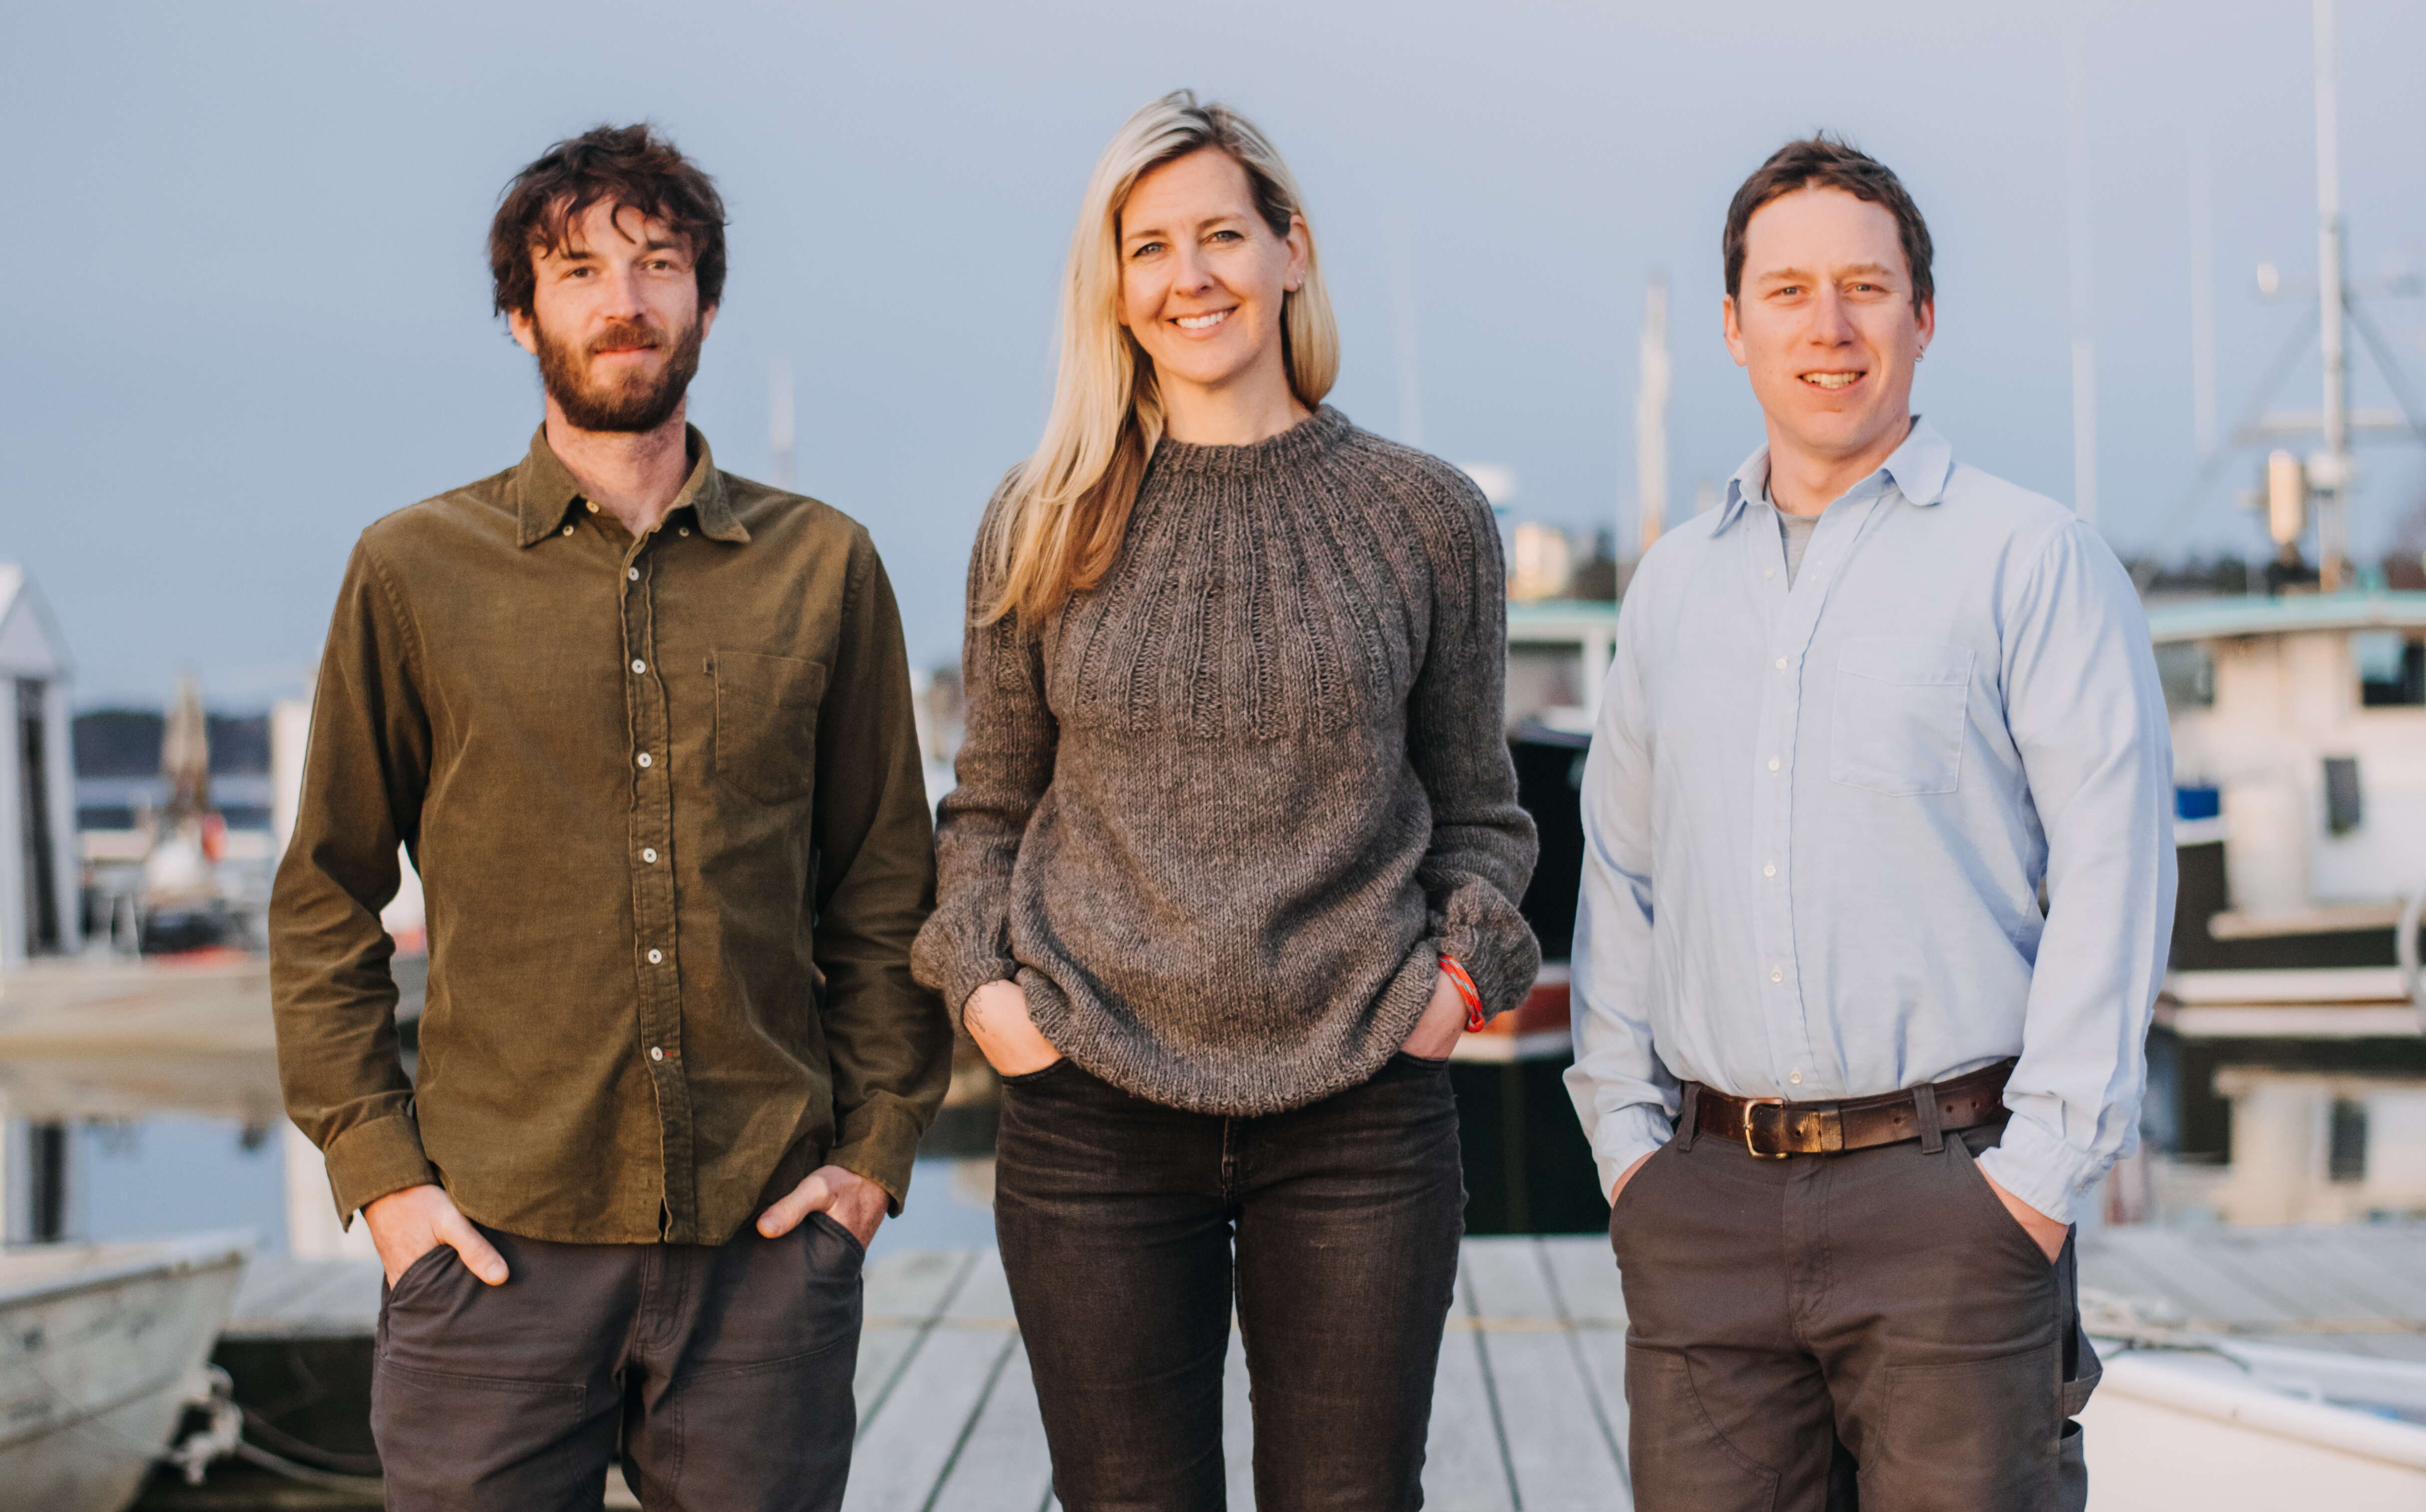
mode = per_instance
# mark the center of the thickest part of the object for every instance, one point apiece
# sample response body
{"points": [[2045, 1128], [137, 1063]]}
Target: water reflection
{"points": [[153, 1178]]}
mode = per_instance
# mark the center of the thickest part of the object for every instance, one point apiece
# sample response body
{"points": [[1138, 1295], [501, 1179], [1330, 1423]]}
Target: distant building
{"points": [[38, 865]]}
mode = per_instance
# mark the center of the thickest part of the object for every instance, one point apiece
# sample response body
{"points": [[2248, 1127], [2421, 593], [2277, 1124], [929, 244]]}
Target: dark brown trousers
{"points": [[723, 1370], [1869, 1329]]}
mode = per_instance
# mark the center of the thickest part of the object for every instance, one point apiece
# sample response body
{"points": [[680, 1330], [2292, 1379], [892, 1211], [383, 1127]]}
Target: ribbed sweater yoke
{"points": [[1221, 814], [1243, 610]]}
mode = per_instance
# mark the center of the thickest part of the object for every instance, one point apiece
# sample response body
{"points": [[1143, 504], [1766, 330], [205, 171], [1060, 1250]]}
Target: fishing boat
{"points": [[101, 1348], [2288, 1049]]}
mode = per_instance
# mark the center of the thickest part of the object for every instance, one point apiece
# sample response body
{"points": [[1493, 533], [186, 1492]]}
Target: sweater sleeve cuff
{"points": [[879, 1140], [948, 962], [372, 1159], [1497, 948], [2040, 1169]]}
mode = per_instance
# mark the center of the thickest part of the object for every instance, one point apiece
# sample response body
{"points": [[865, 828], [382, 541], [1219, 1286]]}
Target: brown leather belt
{"points": [[1773, 1128]]}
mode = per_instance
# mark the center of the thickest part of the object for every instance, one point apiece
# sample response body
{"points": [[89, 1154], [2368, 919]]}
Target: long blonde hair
{"points": [[1069, 502]]}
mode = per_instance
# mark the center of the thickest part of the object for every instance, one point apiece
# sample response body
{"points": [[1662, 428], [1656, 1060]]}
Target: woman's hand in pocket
{"points": [[1435, 1034], [997, 1016]]}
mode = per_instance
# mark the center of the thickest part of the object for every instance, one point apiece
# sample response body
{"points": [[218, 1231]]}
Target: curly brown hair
{"points": [[625, 166], [1826, 161]]}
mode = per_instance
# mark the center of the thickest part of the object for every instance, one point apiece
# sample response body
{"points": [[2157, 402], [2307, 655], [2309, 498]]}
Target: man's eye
{"points": [[1227, 236]]}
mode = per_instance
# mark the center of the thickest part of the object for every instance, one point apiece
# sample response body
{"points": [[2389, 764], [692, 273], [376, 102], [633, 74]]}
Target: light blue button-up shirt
{"points": [[1820, 820]]}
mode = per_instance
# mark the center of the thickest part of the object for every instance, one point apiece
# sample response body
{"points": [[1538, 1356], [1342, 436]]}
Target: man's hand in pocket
{"points": [[410, 1223]]}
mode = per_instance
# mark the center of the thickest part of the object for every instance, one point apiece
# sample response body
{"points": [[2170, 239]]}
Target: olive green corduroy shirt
{"points": [[665, 798]]}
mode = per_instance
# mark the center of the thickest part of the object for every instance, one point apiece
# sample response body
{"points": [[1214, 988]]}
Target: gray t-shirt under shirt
{"points": [[1797, 530]]}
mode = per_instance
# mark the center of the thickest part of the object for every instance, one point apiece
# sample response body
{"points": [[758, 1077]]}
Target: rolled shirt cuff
{"points": [[1625, 1136], [374, 1158], [2043, 1170], [878, 1140]]}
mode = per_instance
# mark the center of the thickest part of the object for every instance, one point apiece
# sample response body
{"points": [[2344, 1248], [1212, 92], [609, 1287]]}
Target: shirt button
{"points": [[1796, 1078], [1781, 663], [656, 956], [593, 507], [644, 757], [656, 1052], [1777, 976], [568, 530], [638, 666], [632, 572], [1768, 572], [682, 530], [650, 855], [1773, 764], [1770, 869]]}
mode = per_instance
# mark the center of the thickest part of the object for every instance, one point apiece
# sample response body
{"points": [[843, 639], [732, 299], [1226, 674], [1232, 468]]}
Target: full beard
{"points": [[635, 403]]}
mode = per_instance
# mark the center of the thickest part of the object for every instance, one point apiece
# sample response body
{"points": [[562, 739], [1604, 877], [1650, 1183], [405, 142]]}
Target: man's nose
{"points": [[622, 301], [1829, 324]]}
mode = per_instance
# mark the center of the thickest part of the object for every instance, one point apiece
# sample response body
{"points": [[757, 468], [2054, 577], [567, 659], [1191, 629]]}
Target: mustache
{"points": [[624, 334]]}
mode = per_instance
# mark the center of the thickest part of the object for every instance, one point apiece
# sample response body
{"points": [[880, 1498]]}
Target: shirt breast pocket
{"points": [[1900, 712], [767, 723]]}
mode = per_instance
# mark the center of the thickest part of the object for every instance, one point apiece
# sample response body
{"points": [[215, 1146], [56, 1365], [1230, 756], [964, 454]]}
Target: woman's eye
{"points": [[1146, 248]]}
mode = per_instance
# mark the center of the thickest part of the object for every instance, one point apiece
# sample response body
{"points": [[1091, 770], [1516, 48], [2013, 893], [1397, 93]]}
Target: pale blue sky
{"points": [[252, 310]]}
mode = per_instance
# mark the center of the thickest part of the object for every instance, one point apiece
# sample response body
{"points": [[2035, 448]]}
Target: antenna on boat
{"points": [[2329, 472], [1651, 420], [2325, 478]]}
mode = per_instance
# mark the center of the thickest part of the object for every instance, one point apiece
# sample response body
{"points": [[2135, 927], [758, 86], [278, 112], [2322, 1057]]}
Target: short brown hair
{"points": [[626, 165], [1825, 161]]}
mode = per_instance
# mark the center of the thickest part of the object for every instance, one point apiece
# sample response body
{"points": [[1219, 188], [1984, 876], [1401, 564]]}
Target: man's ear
{"points": [[707, 320], [525, 331], [1928, 320], [1733, 330]]}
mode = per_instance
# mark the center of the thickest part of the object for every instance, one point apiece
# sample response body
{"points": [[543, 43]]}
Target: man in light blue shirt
{"points": [[1878, 878]]}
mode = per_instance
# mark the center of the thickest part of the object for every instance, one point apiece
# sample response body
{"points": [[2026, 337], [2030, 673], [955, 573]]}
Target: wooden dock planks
{"points": [[1528, 1411]]}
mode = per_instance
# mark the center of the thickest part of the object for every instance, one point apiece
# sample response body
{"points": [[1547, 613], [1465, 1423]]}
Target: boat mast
{"points": [[2330, 473], [1651, 420], [2082, 301]]}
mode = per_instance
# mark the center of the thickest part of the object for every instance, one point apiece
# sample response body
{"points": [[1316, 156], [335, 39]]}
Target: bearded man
{"points": [[644, 727]]}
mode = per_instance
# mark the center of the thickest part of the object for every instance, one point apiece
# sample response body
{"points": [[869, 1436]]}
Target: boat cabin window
{"points": [[2344, 809], [2187, 671], [2346, 1143], [2391, 669]]}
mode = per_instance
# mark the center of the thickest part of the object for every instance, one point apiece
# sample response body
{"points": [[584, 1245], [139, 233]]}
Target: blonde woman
{"points": [[1234, 857]]}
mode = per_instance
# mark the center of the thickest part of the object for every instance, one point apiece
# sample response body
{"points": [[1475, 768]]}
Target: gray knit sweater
{"points": [[1219, 817]]}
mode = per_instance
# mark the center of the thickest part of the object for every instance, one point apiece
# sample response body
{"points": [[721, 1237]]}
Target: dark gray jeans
{"points": [[724, 1371], [1128, 1227], [1875, 1322]]}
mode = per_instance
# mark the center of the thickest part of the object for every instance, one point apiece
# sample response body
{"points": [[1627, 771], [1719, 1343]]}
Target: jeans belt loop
{"points": [[1688, 1115], [1933, 1128]]}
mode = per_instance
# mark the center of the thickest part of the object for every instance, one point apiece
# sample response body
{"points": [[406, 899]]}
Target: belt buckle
{"points": [[1757, 1153]]}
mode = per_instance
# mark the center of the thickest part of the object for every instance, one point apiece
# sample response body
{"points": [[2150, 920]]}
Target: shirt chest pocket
{"points": [[1900, 716], [767, 723]]}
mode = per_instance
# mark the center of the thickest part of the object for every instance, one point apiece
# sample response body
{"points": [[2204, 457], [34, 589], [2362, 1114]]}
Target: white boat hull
{"points": [[2196, 1429], [100, 1348]]}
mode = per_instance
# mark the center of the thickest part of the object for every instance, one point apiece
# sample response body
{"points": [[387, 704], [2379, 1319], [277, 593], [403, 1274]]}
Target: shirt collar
{"points": [[1918, 469], [545, 490]]}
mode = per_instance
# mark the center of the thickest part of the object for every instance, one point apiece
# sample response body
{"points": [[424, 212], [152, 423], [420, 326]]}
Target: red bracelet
{"points": [[1466, 988]]}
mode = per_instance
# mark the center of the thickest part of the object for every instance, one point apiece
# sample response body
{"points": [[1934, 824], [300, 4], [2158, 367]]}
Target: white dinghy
{"points": [[100, 1346]]}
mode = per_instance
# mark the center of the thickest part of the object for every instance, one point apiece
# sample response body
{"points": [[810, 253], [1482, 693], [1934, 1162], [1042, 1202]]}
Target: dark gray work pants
{"points": [[723, 1370], [1873, 1322]]}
